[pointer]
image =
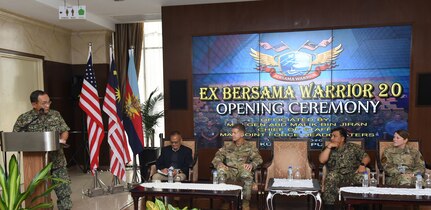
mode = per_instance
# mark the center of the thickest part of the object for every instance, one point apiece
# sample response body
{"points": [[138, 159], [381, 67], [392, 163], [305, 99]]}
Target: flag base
{"points": [[97, 187], [116, 189], [94, 192]]}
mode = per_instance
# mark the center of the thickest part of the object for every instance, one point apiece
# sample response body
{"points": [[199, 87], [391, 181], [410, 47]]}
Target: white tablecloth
{"points": [[295, 183], [191, 186], [386, 190]]}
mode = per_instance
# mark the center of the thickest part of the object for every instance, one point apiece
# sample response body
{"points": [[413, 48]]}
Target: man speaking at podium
{"points": [[41, 118]]}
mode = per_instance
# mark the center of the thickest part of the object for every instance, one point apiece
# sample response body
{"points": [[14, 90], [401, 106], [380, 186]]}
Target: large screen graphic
{"points": [[289, 85]]}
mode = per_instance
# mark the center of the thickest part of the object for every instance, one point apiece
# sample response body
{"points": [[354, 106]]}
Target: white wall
{"points": [[19, 76], [25, 35], [54, 43]]}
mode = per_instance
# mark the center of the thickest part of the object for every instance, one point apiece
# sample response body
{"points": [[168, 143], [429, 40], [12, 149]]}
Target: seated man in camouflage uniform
{"points": [[236, 161], [41, 118], [401, 162], [345, 162]]}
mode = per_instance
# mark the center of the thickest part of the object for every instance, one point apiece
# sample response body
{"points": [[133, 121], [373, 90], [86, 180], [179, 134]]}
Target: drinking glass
{"points": [[427, 181], [373, 180], [221, 179]]}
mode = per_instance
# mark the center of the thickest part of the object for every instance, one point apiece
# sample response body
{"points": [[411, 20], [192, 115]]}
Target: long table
{"points": [[350, 198], [190, 190]]}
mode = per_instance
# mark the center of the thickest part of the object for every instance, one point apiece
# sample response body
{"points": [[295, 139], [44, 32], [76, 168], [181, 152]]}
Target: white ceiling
{"points": [[101, 14]]}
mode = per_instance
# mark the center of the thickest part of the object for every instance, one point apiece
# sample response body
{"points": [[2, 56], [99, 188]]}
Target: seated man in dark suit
{"points": [[177, 156]]}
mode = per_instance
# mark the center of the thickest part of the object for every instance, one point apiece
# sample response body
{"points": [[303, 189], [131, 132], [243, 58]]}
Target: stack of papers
{"points": [[161, 172]]}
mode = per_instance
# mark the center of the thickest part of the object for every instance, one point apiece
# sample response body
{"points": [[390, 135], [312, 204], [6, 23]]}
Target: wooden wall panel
{"points": [[57, 80], [180, 23], [80, 153]]}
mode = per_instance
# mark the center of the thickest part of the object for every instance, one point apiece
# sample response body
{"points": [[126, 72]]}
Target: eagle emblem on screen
{"points": [[295, 65]]}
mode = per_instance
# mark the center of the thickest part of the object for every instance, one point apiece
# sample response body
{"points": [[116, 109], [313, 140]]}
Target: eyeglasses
{"points": [[46, 103]]}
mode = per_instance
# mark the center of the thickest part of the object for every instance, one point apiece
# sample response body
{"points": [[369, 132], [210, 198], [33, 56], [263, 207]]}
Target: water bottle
{"points": [[428, 181], [215, 177], [402, 169], [297, 174], [290, 173], [365, 179], [418, 181], [170, 175]]}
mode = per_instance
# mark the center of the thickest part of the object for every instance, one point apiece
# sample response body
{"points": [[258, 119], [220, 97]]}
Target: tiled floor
{"points": [[82, 181]]}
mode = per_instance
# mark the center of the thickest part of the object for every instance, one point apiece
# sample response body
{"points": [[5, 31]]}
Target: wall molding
{"points": [[18, 53]]}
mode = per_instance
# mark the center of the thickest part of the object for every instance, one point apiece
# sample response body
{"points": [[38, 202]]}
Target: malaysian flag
{"points": [[116, 136], [89, 103]]}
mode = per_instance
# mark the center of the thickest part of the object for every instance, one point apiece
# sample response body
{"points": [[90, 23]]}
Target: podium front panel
{"points": [[30, 141]]}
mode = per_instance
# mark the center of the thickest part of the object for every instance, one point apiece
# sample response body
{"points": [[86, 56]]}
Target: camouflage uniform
{"points": [[342, 165], [235, 157], [395, 160], [51, 121]]}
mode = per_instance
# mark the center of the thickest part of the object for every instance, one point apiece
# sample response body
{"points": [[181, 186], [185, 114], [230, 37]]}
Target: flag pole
{"points": [[135, 176], [302, 45], [133, 119], [115, 185]]}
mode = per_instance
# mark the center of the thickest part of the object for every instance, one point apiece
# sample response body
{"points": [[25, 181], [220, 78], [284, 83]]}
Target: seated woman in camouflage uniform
{"points": [[345, 162], [401, 162]]}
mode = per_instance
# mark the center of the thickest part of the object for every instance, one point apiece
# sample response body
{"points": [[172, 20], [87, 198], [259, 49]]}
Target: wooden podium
{"points": [[35, 147]]}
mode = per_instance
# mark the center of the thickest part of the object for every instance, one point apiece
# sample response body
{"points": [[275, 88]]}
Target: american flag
{"points": [[89, 103], [116, 135]]}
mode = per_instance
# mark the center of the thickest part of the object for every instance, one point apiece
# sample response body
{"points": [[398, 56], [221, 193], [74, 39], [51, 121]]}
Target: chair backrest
{"points": [[383, 144], [358, 141], [190, 143], [205, 157], [267, 154], [290, 152]]}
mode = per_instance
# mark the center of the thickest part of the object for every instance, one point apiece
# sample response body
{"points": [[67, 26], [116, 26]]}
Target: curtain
{"points": [[127, 35]]}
